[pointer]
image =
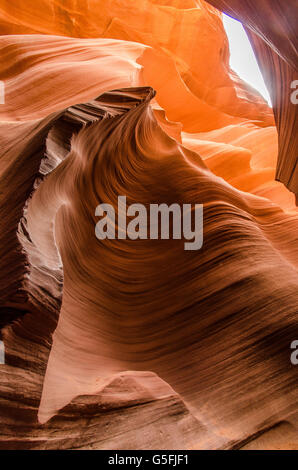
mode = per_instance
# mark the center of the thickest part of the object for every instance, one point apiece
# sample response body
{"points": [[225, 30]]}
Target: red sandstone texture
{"points": [[123, 344]]}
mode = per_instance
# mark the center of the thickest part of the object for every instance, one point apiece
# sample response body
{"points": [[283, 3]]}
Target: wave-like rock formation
{"points": [[123, 344]]}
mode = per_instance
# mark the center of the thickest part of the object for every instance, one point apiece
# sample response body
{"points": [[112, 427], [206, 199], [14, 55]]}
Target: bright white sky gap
{"points": [[242, 59]]}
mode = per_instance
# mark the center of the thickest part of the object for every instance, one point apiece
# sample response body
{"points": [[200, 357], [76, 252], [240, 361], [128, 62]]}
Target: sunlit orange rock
{"points": [[138, 99]]}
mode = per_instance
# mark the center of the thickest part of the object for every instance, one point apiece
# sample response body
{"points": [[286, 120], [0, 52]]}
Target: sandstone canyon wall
{"points": [[139, 344]]}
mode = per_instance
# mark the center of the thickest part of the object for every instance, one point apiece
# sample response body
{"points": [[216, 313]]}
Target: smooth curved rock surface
{"points": [[122, 344]]}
